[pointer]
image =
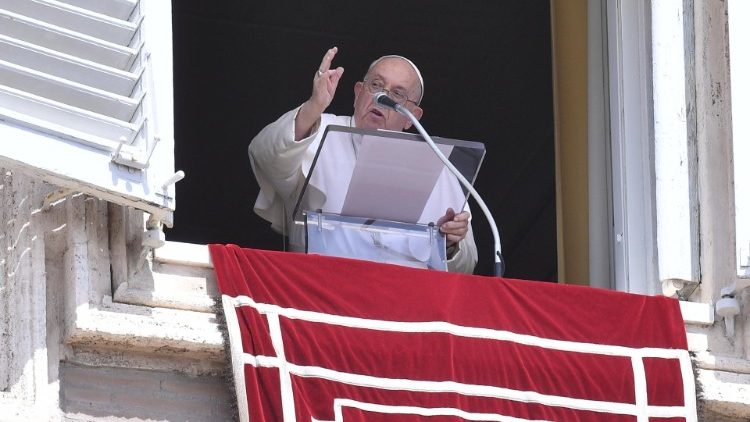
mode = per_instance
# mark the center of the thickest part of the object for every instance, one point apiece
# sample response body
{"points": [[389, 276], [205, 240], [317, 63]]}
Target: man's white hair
{"points": [[413, 66]]}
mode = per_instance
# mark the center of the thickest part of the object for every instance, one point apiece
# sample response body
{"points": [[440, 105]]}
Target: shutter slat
{"points": [[120, 9], [68, 67], [51, 116], [75, 19], [66, 41], [67, 92]]}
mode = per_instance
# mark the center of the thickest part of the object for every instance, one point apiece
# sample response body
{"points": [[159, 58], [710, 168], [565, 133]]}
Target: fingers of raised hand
{"points": [[325, 77], [325, 64], [325, 81], [324, 87], [335, 75], [329, 77]]}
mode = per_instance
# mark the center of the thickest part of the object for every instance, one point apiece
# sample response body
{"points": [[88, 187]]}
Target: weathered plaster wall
{"points": [[68, 350], [724, 368], [121, 394], [24, 376]]}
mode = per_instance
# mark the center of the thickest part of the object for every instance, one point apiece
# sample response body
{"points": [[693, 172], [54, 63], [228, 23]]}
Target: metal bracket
{"points": [[728, 307], [153, 238], [176, 177], [129, 160], [736, 287], [179, 175]]}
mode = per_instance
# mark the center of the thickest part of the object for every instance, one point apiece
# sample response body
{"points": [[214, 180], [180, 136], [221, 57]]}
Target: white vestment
{"points": [[281, 166]]}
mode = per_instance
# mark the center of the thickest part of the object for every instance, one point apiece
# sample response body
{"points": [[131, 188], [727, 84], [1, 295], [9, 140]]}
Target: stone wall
{"points": [[69, 348], [92, 393]]}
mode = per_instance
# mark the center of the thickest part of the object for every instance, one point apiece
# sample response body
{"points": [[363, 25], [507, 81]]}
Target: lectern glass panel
{"points": [[381, 176], [386, 175], [410, 245]]}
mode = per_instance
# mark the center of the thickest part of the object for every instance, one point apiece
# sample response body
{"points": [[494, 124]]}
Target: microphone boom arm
{"points": [[499, 262]]}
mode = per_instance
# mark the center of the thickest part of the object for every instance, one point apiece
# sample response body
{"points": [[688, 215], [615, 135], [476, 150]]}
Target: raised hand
{"points": [[325, 82]]}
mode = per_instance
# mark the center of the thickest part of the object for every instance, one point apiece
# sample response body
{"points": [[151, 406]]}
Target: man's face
{"points": [[396, 74]]}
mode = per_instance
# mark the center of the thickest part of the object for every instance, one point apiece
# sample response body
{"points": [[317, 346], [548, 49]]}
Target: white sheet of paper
{"points": [[392, 179]]}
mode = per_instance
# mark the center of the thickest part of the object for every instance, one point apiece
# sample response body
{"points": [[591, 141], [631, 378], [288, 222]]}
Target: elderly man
{"points": [[281, 153]]}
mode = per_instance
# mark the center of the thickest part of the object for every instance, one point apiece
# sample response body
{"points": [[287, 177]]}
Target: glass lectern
{"points": [[377, 195]]}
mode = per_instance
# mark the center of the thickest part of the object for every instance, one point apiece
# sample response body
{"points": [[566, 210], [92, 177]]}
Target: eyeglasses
{"points": [[377, 85]]}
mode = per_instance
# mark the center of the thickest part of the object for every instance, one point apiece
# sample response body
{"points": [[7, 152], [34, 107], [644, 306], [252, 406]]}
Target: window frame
{"points": [[738, 15]]}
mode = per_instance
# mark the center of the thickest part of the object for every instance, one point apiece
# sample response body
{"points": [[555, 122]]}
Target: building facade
{"points": [[101, 319]]}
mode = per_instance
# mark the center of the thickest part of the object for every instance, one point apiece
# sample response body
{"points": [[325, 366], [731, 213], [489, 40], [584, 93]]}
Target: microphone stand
{"points": [[382, 99]]}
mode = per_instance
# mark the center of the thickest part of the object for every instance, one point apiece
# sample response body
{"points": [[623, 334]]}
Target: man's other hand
{"points": [[454, 226]]}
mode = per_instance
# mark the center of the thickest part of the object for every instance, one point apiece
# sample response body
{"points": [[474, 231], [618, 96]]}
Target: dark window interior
{"points": [[239, 64]]}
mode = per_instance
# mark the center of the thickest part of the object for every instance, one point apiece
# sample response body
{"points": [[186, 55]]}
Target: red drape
{"points": [[347, 340]]}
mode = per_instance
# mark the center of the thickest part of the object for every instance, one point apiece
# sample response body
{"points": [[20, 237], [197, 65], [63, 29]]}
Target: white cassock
{"points": [[282, 165]]}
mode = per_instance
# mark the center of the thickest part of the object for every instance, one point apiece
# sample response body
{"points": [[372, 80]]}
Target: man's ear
{"points": [[417, 112], [357, 90]]}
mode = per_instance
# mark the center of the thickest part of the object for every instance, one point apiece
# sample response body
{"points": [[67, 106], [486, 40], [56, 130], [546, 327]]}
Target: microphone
{"points": [[381, 98]]}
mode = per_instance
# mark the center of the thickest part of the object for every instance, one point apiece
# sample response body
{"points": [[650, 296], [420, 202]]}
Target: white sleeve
{"points": [[465, 258], [278, 164]]}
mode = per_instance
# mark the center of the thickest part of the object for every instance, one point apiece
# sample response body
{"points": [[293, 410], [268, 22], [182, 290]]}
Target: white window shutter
{"points": [[739, 59], [86, 98]]}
